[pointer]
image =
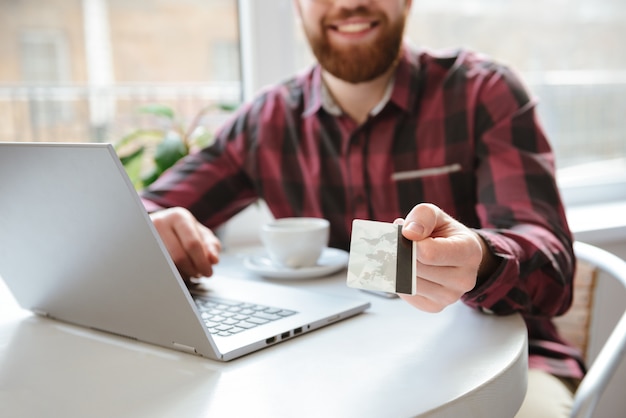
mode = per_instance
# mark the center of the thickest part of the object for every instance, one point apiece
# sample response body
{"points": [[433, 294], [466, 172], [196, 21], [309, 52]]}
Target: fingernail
{"points": [[414, 227]]}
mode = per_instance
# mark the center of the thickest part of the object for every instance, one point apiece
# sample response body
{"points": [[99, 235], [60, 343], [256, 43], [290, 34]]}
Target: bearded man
{"points": [[447, 143]]}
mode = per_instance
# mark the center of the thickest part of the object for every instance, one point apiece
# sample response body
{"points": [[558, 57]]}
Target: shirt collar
{"points": [[329, 104], [405, 91]]}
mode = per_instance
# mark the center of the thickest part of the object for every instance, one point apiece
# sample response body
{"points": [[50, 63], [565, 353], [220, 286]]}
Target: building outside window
{"points": [[79, 70]]}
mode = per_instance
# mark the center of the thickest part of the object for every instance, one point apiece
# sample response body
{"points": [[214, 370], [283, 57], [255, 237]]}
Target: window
{"points": [[44, 62], [225, 61]]}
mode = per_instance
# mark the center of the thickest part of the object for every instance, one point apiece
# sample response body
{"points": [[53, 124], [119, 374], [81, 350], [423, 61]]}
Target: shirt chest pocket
{"points": [[449, 187]]}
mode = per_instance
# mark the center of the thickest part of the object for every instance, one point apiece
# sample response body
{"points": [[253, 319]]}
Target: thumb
{"points": [[421, 221]]}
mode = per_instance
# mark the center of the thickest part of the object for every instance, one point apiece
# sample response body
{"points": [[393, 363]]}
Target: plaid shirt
{"points": [[455, 129]]}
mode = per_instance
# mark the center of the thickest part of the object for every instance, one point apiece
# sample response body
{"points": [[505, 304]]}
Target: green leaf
{"points": [[158, 110], [151, 176], [169, 151], [133, 164], [201, 137], [130, 158], [227, 107]]}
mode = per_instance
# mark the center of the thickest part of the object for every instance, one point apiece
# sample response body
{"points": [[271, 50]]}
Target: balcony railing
{"points": [[100, 114]]}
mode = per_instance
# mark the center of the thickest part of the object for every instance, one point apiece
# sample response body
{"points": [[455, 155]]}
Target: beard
{"points": [[359, 63]]}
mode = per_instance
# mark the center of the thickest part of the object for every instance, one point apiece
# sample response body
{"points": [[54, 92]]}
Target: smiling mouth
{"points": [[354, 27]]}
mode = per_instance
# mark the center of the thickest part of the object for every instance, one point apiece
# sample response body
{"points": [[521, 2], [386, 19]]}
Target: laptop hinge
{"points": [[184, 347]]}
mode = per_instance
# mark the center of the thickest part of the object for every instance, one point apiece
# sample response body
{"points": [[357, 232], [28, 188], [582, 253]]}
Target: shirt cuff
{"points": [[484, 291]]}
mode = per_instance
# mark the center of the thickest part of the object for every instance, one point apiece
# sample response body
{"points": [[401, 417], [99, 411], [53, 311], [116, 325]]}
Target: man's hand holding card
{"points": [[445, 261]]}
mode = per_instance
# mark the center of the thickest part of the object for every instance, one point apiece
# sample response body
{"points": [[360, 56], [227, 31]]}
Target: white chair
{"points": [[599, 263]]}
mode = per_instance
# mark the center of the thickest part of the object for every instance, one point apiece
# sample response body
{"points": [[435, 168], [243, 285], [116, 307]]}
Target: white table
{"points": [[392, 361]]}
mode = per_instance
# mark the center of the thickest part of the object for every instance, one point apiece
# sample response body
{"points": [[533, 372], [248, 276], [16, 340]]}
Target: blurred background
{"points": [[80, 70]]}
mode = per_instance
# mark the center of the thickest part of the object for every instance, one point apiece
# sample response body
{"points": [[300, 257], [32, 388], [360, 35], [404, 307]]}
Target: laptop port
{"points": [[284, 335], [297, 331], [270, 340]]}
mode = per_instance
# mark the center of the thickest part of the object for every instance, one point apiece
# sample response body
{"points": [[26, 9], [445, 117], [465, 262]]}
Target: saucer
{"points": [[331, 260]]}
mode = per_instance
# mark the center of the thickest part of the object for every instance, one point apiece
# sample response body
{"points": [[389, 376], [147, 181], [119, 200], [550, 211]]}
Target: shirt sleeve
{"points": [[521, 214]]}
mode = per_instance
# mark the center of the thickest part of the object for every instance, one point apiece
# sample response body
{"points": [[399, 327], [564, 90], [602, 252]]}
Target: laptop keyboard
{"points": [[226, 317]]}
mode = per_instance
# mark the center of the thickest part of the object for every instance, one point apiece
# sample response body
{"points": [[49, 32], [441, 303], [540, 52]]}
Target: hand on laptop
{"points": [[193, 247], [449, 257]]}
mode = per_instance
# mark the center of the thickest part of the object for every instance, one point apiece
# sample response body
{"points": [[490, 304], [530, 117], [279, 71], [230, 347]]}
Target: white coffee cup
{"points": [[295, 242]]}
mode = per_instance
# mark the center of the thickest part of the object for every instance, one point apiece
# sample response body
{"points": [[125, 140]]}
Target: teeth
{"points": [[353, 27]]}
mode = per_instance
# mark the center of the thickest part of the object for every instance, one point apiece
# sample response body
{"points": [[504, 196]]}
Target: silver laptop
{"points": [[77, 245]]}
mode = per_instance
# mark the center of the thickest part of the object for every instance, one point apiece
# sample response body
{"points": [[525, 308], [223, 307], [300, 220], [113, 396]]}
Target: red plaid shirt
{"points": [[457, 130]]}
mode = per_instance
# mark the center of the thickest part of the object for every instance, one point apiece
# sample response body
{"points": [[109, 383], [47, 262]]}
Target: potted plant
{"points": [[147, 152]]}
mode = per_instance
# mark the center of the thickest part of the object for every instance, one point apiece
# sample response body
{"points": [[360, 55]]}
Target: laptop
{"points": [[77, 245]]}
